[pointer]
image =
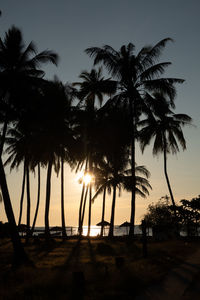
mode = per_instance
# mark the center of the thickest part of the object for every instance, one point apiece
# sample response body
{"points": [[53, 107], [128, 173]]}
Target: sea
{"points": [[94, 230]]}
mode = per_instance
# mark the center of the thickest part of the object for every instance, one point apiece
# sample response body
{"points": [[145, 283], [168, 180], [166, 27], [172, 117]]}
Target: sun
{"points": [[86, 178]]}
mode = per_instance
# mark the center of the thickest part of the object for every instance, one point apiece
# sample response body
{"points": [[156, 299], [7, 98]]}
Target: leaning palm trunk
{"points": [[90, 209], [62, 199], [38, 202], [90, 198], [167, 179], [48, 194], [83, 212], [20, 256], [132, 219], [103, 211], [28, 203], [22, 195], [111, 230], [81, 203], [80, 209]]}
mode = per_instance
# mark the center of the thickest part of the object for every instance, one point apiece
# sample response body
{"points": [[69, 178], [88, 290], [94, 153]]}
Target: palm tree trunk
{"points": [[38, 202], [167, 179], [48, 195], [132, 218], [80, 209], [22, 194], [28, 203], [103, 211], [111, 229], [169, 187], [81, 202], [62, 199], [90, 197], [83, 213], [20, 256], [90, 209]]}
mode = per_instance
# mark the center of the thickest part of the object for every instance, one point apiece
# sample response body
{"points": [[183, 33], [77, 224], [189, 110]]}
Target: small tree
{"points": [[160, 217], [189, 213]]}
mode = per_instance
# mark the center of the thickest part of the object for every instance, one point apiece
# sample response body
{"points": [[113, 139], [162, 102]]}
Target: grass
{"points": [[88, 268]]}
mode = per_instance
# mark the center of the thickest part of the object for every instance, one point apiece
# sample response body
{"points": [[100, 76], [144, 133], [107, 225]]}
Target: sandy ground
{"points": [[102, 269], [182, 282]]}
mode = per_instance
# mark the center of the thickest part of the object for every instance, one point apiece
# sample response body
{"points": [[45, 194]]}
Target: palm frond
{"points": [[183, 119], [164, 86], [30, 49], [98, 192], [158, 144], [154, 52], [154, 71], [44, 57]]}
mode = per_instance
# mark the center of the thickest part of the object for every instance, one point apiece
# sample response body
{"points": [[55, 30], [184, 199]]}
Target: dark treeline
{"points": [[161, 218], [42, 127]]}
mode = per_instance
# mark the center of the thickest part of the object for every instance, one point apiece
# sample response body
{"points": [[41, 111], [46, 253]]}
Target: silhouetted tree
{"points": [[165, 127], [20, 145], [38, 201], [17, 71], [102, 185], [135, 74], [54, 138], [189, 214], [93, 86]]}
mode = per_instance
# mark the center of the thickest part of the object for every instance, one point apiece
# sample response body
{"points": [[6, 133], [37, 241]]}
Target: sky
{"points": [[69, 27]]}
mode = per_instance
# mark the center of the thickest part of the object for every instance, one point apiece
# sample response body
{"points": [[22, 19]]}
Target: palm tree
{"points": [[28, 214], [93, 86], [19, 147], [22, 146], [38, 202], [64, 234], [84, 199], [135, 74], [67, 141], [112, 156], [20, 256], [55, 138], [121, 179], [101, 183], [15, 150], [22, 195], [165, 127], [17, 71], [15, 142]]}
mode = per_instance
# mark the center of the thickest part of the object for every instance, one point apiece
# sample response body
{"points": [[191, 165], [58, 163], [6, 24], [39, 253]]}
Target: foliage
{"points": [[161, 215], [189, 215]]}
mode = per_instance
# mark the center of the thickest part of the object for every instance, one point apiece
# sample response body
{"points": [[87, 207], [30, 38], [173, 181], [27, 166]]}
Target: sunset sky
{"points": [[69, 27]]}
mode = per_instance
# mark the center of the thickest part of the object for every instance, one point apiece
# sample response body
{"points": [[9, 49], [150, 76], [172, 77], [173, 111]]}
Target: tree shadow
{"points": [[73, 255], [74, 281], [45, 248], [92, 254], [3, 242]]}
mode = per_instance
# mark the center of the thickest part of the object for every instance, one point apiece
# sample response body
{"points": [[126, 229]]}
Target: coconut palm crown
{"points": [[135, 74]]}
